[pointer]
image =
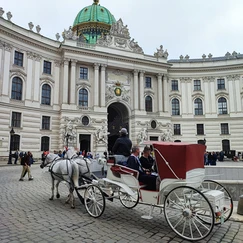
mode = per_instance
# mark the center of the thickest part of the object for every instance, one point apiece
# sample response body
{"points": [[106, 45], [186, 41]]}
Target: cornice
{"points": [[29, 41], [205, 69], [95, 53]]}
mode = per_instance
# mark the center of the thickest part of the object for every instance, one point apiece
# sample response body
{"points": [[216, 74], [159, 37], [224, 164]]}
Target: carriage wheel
{"points": [[127, 200], [228, 201], [182, 209], [94, 201]]}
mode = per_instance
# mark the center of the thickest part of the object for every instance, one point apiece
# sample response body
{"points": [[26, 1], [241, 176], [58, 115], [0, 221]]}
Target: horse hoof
{"points": [[72, 207], [58, 195], [51, 198]]}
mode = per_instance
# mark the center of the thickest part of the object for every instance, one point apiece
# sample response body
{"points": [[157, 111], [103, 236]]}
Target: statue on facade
{"points": [[69, 34], [142, 135], [101, 135]]}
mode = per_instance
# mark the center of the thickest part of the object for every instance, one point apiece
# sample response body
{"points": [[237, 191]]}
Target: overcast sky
{"points": [[192, 27]]}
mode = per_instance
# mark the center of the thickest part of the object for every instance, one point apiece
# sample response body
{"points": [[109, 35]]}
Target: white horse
{"points": [[65, 169]]}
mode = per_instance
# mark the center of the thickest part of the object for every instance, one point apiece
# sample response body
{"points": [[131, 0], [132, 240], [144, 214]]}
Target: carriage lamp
{"points": [[12, 132], [204, 140]]}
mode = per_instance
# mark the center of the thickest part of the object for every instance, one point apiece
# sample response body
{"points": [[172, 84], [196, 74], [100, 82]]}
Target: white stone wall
{"points": [[105, 68]]}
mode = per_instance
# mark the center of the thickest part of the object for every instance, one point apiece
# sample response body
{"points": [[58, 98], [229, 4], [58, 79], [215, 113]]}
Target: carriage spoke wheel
{"points": [[128, 201], [183, 212], [94, 201], [227, 209]]}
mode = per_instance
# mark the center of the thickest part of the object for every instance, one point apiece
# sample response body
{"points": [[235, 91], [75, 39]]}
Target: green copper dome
{"points": [[92, 22]]}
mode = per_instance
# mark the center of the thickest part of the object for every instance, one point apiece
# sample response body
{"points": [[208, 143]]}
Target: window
{"points": [[16, 89], [153, 138], [148, 104], [226, 145], [224, 128], [148, 83], [222, 106], [46, 95], [46, 122], [16, 119], [18, 58], [84, 73], [221, 83], [177, 129], [175, 107], [174, 85], [153, 124], [200, 129], [45, 143], [47, 67], [15, 142], [198, 107], [83, 98], [85, 121], [197, 85]]}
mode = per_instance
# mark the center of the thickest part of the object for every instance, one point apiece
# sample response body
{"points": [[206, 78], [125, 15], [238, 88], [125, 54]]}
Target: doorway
{"points": [[118, 118], [84, 141]]}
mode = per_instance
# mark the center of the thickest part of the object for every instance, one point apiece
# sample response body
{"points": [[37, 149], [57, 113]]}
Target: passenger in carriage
{"points": [[122, 147], [145, 177], [147, 161]]}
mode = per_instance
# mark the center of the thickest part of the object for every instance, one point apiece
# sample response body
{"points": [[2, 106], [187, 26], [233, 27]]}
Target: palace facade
{"points": [[82, 88]]}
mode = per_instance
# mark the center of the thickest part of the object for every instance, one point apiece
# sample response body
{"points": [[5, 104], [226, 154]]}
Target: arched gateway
{"points": [[118, 117]]}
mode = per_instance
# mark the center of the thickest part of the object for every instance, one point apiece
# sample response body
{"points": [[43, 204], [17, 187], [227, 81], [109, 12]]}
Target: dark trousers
{"points": [[149, 181]]}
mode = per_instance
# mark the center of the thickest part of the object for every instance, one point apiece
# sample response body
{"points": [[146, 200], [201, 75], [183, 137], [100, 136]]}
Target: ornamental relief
{"points": [[235, 77], [208, 79], [123, 78], [119, 37], [117, 91], [185, 80]]}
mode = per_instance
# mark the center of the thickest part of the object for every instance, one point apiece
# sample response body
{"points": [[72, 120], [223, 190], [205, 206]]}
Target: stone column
{"points": [[30, 61], [36, 83], [1, 65], [102, 86], [72, 91], [141, 95], [96, 84], [7, 58], [65, 82], [166, 97], [57, 82], [135, 89], [160, 93]]}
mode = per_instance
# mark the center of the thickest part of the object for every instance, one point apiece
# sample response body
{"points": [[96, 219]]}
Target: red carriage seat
{"points": [[182, 157], [117, 170]]}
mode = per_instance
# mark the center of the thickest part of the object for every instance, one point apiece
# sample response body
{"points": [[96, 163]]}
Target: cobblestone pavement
{"points": [[27, 215]]}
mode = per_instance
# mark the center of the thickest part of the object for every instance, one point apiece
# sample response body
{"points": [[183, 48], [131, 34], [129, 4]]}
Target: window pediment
{"points": [[17, 72], [47, 79]]}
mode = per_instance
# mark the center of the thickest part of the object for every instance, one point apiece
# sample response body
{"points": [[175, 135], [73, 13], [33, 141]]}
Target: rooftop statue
{"points": [[161, 53]]}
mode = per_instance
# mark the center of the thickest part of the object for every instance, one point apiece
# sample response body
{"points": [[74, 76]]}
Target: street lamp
{"points": [[12, 132]]}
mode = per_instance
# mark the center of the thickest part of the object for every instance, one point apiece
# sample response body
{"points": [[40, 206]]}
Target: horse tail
{"points": [[75, 173]]}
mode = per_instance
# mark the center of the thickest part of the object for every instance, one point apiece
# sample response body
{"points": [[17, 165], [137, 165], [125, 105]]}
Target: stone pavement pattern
{"points": [[27, 215]]}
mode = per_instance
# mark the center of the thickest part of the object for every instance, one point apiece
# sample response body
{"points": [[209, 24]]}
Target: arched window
{"points": [[222, 106], [46, 95], [83, 98], [198, 107], [17, 86], [148, 104], [175, 107], [45, 143]]}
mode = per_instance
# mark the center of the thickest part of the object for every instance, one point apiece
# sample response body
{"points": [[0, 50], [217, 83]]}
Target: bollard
{"points": [[240, 206]]}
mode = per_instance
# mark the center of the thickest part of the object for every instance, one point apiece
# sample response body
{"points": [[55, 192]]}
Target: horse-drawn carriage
{"points": [[191, 205]]}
